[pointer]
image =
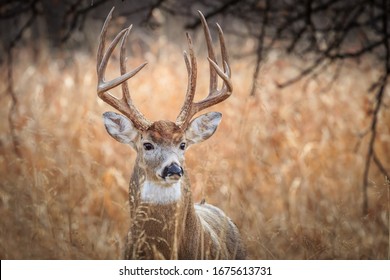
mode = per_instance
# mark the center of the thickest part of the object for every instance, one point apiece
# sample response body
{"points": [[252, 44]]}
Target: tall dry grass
{"points": [[286, 165]]}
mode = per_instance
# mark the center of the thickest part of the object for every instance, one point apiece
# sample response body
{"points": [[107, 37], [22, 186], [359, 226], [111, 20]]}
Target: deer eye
{"points": [[148, 146], [183, 146]]}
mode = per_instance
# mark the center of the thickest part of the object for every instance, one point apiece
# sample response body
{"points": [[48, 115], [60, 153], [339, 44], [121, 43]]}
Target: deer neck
{"points": [[161, 218]]}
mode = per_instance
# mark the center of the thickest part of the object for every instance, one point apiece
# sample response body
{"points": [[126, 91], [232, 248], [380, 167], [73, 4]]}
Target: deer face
{"points": [[162, 146]]}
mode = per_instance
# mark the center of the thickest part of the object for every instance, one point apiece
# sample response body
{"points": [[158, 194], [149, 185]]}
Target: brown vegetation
{"points": [[286, 165]]}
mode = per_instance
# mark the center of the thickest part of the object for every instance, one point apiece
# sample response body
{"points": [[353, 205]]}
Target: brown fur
{"points": [[165, 132], [178, 230], [172, 227]]}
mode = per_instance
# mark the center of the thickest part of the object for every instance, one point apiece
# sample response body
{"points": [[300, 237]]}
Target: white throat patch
{"points": [[157, 194]]}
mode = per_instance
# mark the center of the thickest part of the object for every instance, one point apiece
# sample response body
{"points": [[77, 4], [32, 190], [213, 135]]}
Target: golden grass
{"points": [[286, 165]]}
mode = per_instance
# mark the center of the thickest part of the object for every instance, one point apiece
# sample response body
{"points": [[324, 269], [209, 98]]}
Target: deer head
{"points": [[161, 144]]}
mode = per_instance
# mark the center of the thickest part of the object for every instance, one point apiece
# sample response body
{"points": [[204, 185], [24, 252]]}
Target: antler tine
{"points": [[102, 42], [191, 87], [210, 50], [225, 56], [215, 96], [123, 105], [137, 117]]}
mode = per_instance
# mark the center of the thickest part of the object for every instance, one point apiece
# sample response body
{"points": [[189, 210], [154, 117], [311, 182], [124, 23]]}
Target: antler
{"points": [[125, 104], [190, 108]]}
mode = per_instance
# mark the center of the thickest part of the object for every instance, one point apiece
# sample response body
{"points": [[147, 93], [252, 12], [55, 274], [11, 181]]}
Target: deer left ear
{"points": [[201, 128]]}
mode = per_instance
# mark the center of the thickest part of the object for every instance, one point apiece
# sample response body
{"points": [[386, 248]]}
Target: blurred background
{"points": [[300, 162]]}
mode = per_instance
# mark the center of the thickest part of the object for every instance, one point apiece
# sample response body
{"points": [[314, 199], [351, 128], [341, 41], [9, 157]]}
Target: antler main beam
{"points": [[125, 104], [215, 96]]}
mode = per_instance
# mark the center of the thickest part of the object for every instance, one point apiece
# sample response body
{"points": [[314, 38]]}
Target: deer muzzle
{"points": [[173, 171]]}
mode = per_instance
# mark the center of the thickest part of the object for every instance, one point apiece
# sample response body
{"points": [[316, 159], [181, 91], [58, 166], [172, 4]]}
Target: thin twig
{"points": [[214, 12], [78, 17], [380, 166], [371, 143], [14, 103], [260, 48], [378, 98]]}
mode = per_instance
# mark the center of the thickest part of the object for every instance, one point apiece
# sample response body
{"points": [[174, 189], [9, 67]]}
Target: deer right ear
{"points": [[120, 128]]}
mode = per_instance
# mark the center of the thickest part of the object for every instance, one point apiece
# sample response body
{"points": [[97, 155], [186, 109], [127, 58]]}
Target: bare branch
{"points": [[260, 47], [378, 98], [14, 103]]}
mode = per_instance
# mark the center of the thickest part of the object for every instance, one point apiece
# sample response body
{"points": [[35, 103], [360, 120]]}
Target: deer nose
{"points": [[172, 170]]}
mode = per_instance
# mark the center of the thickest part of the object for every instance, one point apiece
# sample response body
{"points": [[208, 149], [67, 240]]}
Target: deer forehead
{"points": [[164, 132]]}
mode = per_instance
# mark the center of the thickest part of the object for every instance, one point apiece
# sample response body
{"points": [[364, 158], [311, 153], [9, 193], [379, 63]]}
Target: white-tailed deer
{"points": [[165, 223]]}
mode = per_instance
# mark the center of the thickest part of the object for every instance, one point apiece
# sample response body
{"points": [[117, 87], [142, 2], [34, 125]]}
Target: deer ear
{"points": [[120, 128], [201, 128]]}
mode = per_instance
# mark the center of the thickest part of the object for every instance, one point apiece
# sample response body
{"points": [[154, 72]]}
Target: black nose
{"points": [[172, 170]]}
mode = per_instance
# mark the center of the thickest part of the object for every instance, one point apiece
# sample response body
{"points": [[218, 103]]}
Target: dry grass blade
{"points": [[282, 164]]}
